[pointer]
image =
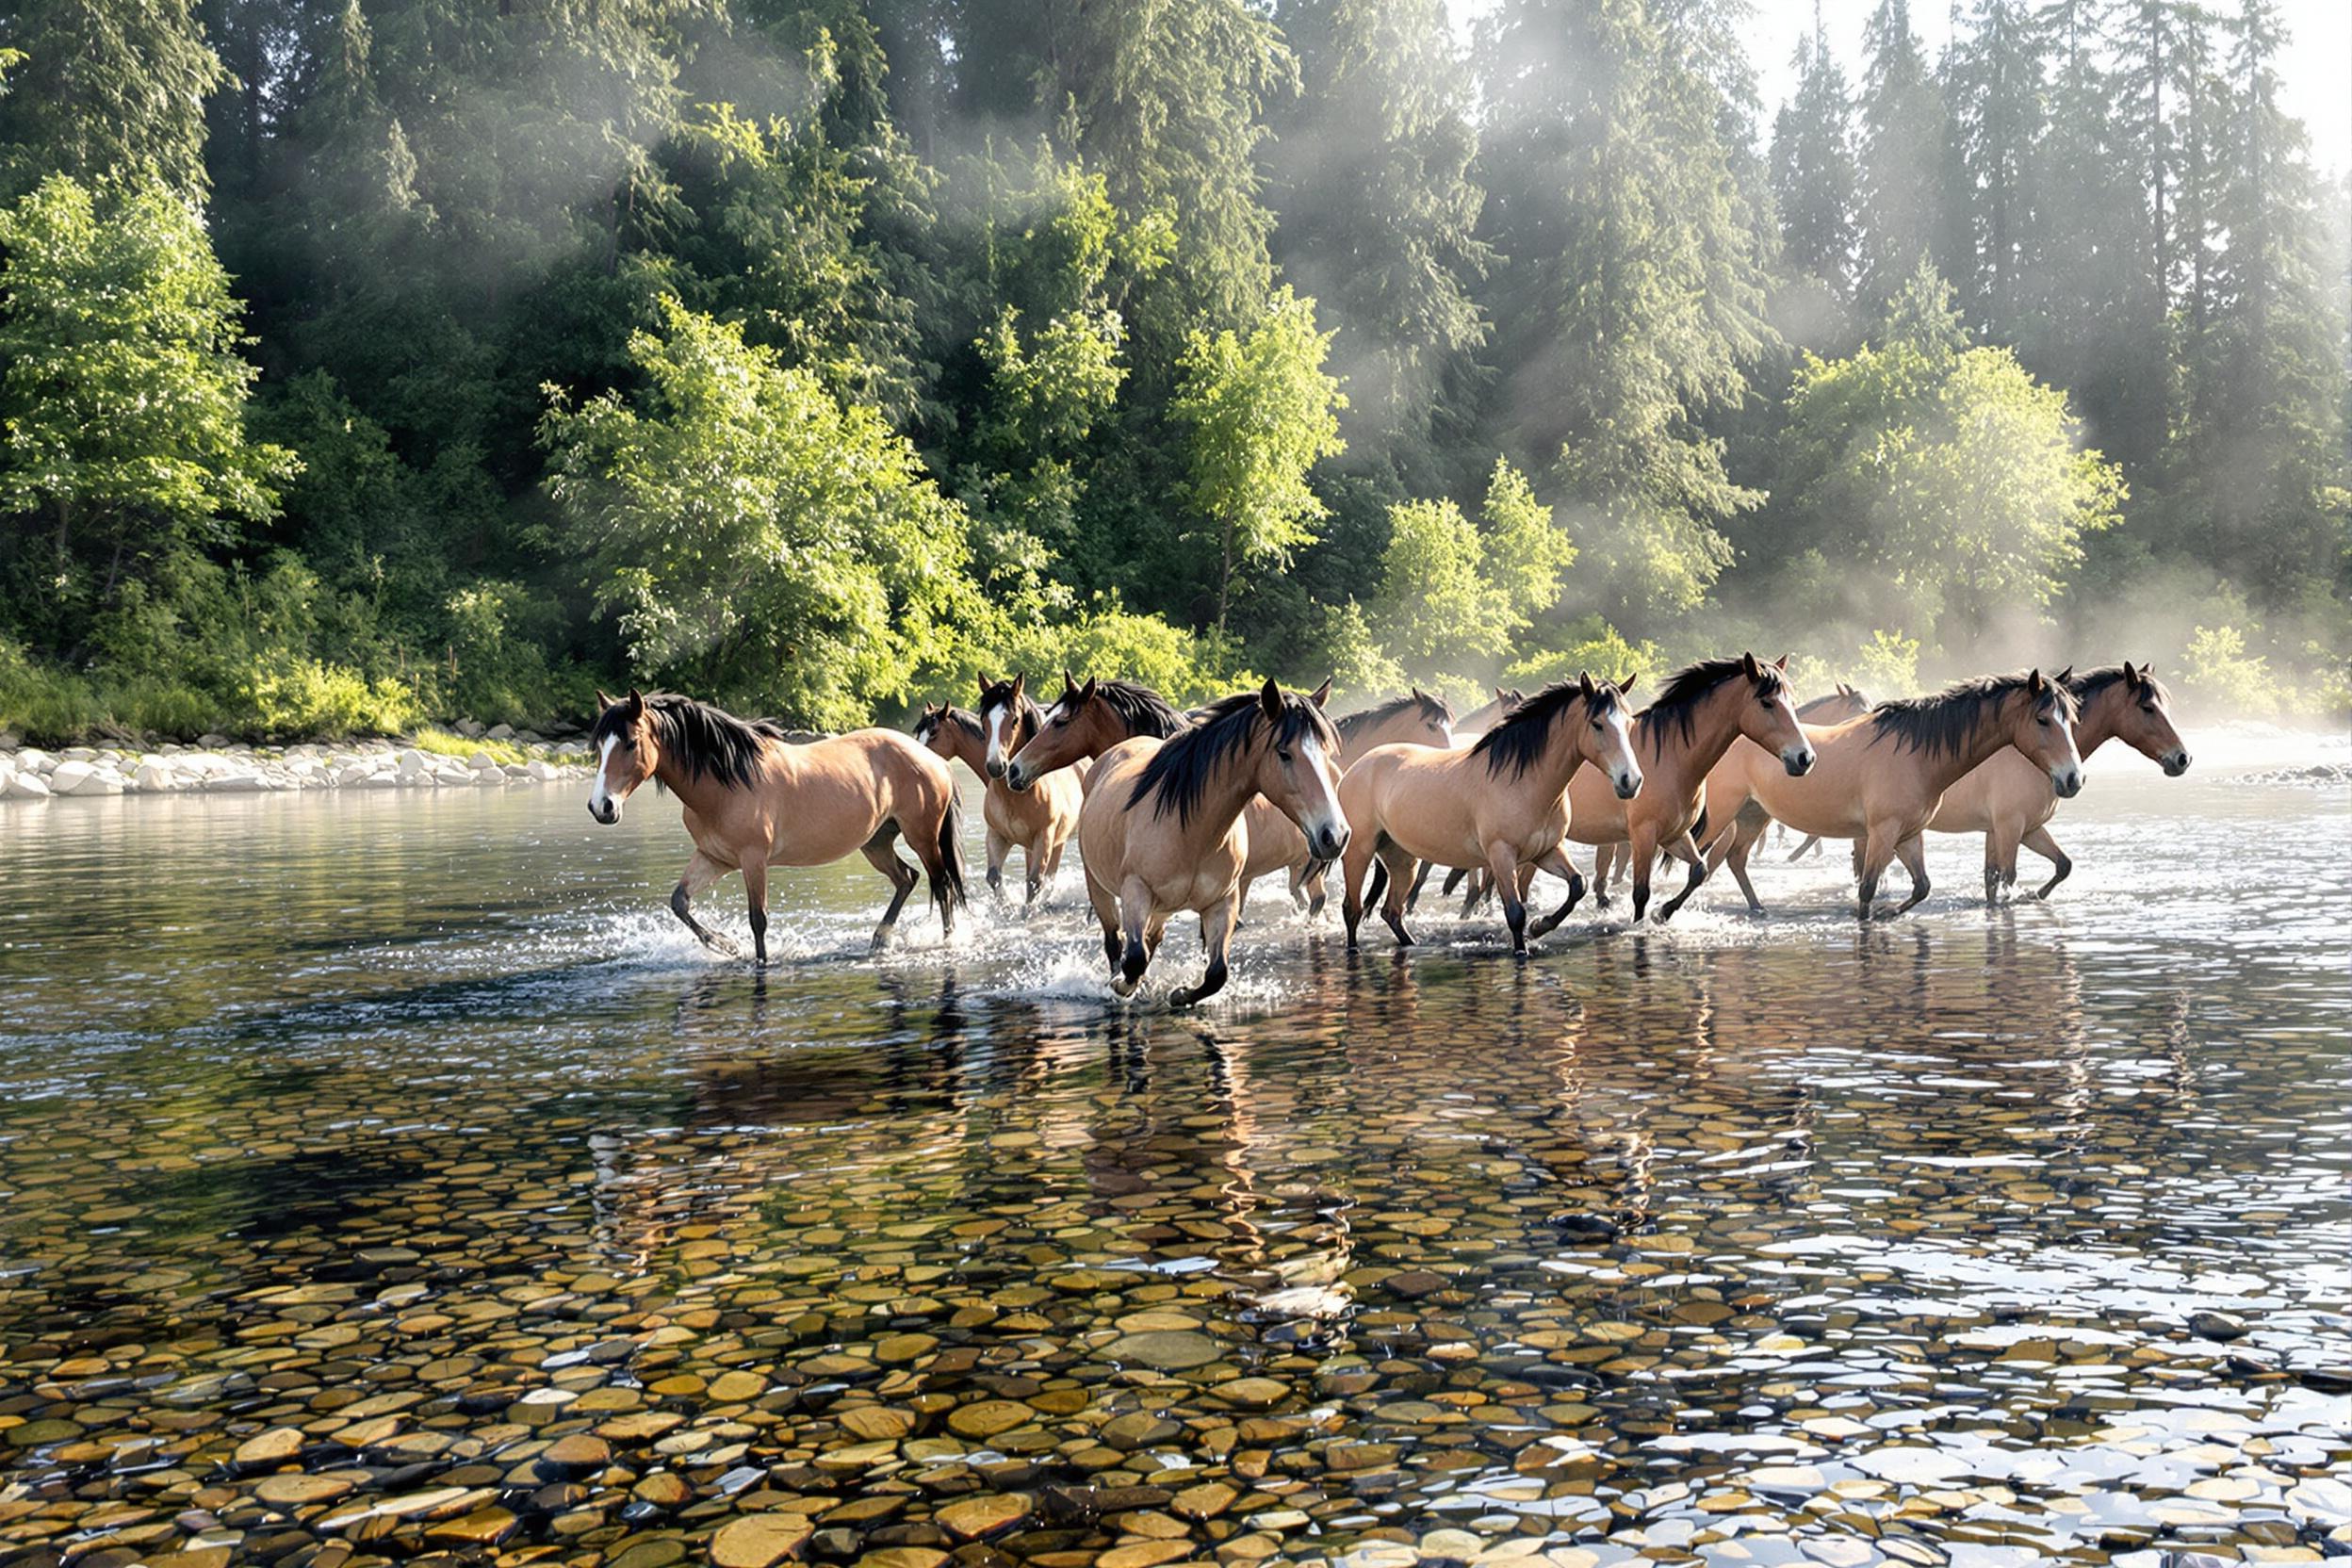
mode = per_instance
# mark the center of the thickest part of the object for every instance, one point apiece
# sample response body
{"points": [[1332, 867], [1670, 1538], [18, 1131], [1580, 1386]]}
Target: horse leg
{"points": [[1401, 875], [2000, 855], [701, 871], [1361, 854], [1557, 862], [756, 894], [882, 858], [1414, 899], [1746, 828], [1318, 881], [1477, 895], [1453, 880], [1216, 931], [1878, 850], [1134, 901], [1502, 866], [1106, 913], [999, 848], [1812, 842], [1604, 858], [1683, 848], [2041, 843], [1914, 853], [1716, 852]]}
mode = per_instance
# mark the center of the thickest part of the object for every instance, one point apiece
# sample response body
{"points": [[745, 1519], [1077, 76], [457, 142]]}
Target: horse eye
{"points": [[1283, 752]]}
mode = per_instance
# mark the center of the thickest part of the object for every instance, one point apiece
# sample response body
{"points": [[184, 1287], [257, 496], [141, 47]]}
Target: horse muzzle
{"points": [[997, 768], [1627, 785], [608, 813], [2175, 765], [1330, 843], [1798, 763], [2066, 781], [1015, 778]]}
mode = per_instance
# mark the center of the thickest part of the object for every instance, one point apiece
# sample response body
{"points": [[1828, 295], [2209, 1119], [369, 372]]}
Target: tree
{"points": [[123, 397], [1945, 480], [1900, 180], [1453, 596], [1261, 412], [1994, 80], [1379, 212], [762, 543], [112, 87], [1632, 286], [1813, 169]]}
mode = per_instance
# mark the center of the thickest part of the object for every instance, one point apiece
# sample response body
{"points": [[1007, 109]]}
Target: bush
{"points": [[1598, 648], [2219, 677], [1886, 667]]}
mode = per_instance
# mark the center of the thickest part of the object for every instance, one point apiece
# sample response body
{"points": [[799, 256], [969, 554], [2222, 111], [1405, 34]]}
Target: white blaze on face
{"points": [[994, 722], [599, 794], [1321, 800], [1626, 778]]}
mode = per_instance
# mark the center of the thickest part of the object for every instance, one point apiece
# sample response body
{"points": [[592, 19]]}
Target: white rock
{"points": [[69, 775], [380, 781], [156, 775], [34, 759], [26, 786], [482, 759], [541, 770], [354, 773], [501, 732], [236, 783], [412, 761]]}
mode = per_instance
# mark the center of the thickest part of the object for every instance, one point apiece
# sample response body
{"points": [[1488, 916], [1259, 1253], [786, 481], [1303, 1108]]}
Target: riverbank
{"points": [[218, 765]]}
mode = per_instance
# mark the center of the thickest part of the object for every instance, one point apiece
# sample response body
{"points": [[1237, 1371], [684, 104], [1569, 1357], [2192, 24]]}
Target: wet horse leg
{"points": [[1216, 932], [1878, 852], [2000, 855], [1746, 828], [1427, 867], [1502, 866], [701, 871], [1604, 858], [1812, 842], [1401, 871], [1134, 906], [1914, 853], [999, 847], [1555, 863], [884, 859], [2041, 843], [1106, 912], [756, 894]]}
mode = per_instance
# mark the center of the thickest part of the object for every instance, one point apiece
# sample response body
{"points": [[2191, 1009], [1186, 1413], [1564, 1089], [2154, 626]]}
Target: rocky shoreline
{"points": [[216, 765]]}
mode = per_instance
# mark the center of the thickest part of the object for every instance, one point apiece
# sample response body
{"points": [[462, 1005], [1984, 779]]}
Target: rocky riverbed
{"points": [[218, 765]]}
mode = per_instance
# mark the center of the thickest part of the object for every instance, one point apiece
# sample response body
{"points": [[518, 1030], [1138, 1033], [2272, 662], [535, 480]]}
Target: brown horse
{"points": [[1038, 820], [1161, 829], [755, 799], [1878, 778], [1416, 718], [1466, 732], [1087, 721], [2011, 801], [1704, 709], [1846, 702], [1502, 805]]}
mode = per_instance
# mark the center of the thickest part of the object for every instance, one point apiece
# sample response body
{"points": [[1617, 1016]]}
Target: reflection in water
{"points": [[404, 1149]]}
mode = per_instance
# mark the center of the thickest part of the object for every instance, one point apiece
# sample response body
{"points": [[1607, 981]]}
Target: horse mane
{"points": [[1944, 721], [1144, 710], [1826, 701], [1179, 772], [962, 718], [1357, 723], [1519, 736], [2089, 683], [709, 742], [1679, 704]]}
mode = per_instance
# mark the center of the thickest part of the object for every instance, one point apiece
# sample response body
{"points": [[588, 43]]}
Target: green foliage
{"points": [[764, 545], [2219, 677], [1108, 641], [104, 89], [1261, 412], [1888, 666], [1593, 645]]}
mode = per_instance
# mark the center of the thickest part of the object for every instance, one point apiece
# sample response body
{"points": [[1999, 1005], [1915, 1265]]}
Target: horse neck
{"points": [[1562, 753], [1713, 728], [2095, 724], [1226, 794], [964, 746], [697, 792], [1985, 743]]}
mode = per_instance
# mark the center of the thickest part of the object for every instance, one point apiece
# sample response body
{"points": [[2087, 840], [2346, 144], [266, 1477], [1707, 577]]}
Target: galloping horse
{"points": [[1038, 820], [1878, 778], [755, 799], [1502, 805], [1087, 721], [1704, 709], [1161, 829], [1466, 732], [2011, 801]]}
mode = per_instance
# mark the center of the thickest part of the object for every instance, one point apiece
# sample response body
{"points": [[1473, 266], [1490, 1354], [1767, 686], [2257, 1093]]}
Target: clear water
{"points": [[410, 1136]]}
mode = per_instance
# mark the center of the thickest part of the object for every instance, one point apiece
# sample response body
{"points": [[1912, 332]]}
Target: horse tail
{"points": [[1698, 828], [947, 877], [1378, 884]]}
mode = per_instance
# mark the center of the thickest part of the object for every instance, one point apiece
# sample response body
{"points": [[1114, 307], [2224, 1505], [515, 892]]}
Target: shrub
{"points": [[2220, 676]]}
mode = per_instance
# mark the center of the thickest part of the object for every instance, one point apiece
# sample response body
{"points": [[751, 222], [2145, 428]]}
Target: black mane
{"points": [[2089, 683], [1179, 772], [1518, 739], [1943, 721], [1145, 710], [1679, 704], [709, 742], [1357, 723]]}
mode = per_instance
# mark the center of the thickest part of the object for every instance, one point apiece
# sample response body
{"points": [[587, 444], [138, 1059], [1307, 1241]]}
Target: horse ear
{"points": [[2034, 684], [603, 702], [1020, 681], [1270, 698], [1781, 664], [1322, 694], [636, 703], [1069, 682], [2063, 676], [1584, 680], [1625, 687], [2133, 679], [1749, 667], [1085, 692]]}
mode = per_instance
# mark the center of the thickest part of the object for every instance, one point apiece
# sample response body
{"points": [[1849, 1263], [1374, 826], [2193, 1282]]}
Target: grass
{"points": [[447, 742]]}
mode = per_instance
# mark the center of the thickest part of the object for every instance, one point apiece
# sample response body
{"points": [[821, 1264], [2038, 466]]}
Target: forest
{"points": [[370, 362]]}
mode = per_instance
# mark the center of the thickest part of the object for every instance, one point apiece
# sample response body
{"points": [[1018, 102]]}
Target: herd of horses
{"points": [[1179, 812]]}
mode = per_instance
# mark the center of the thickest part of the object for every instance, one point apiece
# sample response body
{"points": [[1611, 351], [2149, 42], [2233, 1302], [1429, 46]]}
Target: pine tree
{"points": [[1994, 76], [104, 88], [1813, 166], [1901, 179]]}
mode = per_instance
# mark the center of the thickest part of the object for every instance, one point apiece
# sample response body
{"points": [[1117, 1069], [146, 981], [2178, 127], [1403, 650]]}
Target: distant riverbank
{"points": [[431, 759]]}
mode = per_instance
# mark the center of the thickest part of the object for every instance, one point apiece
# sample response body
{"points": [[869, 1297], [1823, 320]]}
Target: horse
{"points": [[1846, 702], [1466, 732], [1880, 777], [1705, 708], [1160, 830], [1415, 717], [1087, 721], [1502, 805], [2011, 803], [1038, 820], [755, 799]]}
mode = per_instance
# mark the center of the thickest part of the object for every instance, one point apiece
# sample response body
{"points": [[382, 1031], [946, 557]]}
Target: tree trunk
{"points": [[1225, 575]]}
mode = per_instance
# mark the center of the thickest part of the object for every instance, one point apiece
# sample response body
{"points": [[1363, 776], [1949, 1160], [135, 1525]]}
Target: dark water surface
{"points": [[385, 1175]]}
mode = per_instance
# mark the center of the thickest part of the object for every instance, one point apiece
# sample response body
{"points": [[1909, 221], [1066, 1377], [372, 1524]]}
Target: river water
{"points": [[385, 1175]]}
